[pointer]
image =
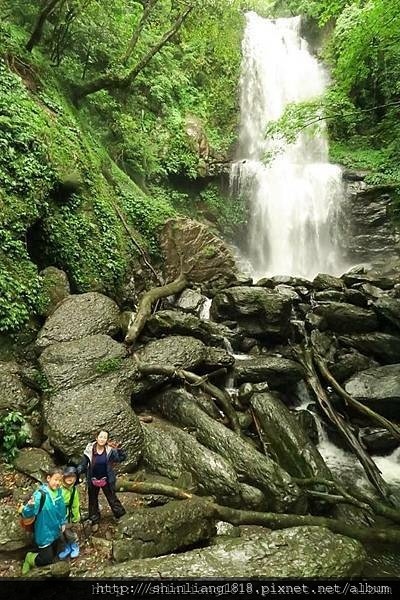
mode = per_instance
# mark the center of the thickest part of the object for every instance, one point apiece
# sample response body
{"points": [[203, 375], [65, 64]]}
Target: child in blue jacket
{"points": [[49, 522]]}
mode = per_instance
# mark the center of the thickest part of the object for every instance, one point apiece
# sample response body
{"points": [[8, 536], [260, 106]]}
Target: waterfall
{"points": [[294, 199]]}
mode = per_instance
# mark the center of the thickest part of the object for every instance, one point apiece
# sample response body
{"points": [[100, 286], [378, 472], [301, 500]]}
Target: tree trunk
{"points": [[202, 382], [146, 303], [136, 34], [37, 32], [109, 82]]}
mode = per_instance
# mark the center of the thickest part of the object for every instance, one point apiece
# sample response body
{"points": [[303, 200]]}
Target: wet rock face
{"points": [[91, 380], [259, 312], [346, 318], [172, 452], [174, 322], [156, 531], [274, 370], [378, 388], [382, 346], [299, 552], [251, 466], [79, 316], [370, 232]]}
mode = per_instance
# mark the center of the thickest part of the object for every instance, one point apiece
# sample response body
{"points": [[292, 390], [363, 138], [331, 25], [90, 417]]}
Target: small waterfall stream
{"points": [[295, 198]]}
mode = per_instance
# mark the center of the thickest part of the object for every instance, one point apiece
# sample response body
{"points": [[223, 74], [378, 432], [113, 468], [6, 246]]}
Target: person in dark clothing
{"points": [[97, 462]]}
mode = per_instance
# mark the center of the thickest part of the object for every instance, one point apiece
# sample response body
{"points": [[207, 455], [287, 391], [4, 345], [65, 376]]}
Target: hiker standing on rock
{"points": [[97, 464], [48, 506]]}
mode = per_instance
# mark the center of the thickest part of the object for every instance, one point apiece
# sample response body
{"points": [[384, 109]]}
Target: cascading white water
{"points": [[294, 199]]}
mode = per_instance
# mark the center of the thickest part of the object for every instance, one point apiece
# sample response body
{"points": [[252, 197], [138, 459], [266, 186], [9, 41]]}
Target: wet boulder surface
{"points": [[296, 552]]}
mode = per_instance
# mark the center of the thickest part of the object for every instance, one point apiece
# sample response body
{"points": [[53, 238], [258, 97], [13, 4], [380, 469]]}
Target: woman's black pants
{"points": [[109, 492]]}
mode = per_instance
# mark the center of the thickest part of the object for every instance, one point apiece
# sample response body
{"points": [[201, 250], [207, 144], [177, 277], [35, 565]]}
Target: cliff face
{"points": [[369, 230]]}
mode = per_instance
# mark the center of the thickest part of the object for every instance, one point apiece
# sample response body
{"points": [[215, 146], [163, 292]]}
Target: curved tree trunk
{"points": [[146, 303]]}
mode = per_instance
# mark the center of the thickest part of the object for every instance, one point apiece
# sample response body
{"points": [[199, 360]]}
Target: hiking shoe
{"points": [[66, 552], [29, 562], [74, 550]]}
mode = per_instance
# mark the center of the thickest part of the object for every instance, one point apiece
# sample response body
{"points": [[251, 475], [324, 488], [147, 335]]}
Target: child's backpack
{"points": [[28, 523]]}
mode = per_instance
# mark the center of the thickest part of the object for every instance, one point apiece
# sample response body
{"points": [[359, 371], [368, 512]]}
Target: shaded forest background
{"points": [[125, 107]]}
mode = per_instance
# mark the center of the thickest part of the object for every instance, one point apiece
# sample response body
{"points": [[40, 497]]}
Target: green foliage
{"points": [[109, 365], [229, 213], [12, 435]]}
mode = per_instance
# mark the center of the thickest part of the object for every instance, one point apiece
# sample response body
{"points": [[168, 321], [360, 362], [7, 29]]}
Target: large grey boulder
{"points": [[72, 416], [275, 370], [174, 322], [164, 529], [76, 363], [12, 535], [191, 301], [252, 467], [185, 352], [298, 552], [34, 462], [181, 351], [79, 316], [378, 388], [347, 363], [14, 395], [346, 318], [323, 281], [389, 310], [382, 346], [259, 312], [172, 452]]}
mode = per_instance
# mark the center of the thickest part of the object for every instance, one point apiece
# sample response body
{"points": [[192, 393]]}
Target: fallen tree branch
{"points": [[305, 357], [375, 417], [146, 303], [367, 502], [221, 397], [271, 520], [144, 487], [283, 521]]}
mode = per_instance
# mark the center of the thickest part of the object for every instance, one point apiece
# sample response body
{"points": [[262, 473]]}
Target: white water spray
{"points": [[295, 198]]}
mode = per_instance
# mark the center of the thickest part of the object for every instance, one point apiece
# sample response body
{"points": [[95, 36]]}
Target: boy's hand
{"points": [[31, 501], [62, 528]]}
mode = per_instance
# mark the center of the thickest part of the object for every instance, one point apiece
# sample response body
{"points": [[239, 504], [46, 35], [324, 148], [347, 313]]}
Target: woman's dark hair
{"points": [[105, 431]]}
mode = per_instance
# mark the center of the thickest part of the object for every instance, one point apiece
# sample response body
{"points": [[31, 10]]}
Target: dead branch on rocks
{"points": [[220, 396], [282, 521], [146, 303], [361, 408], [305, 357], [143, 487]]}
